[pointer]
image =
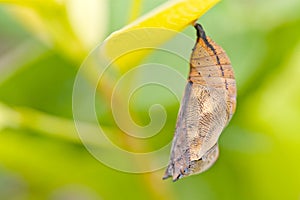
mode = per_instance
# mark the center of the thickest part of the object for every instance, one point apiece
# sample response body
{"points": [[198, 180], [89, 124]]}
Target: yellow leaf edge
{"points": [[173, 15]]}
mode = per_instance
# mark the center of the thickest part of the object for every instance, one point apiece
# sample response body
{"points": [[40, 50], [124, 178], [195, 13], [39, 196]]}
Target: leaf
{"points": [[152, 29], [71, 27]]}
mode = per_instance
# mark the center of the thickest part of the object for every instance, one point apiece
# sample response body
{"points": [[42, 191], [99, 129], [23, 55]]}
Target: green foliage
{"points": [[42, 157]]}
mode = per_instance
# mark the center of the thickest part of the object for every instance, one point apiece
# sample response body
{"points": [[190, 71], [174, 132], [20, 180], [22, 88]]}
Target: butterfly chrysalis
{"points": [[207, 106]]}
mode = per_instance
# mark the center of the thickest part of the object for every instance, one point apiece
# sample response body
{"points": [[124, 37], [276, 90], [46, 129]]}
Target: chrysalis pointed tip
{"points": [[166, 176], [168, 172]]}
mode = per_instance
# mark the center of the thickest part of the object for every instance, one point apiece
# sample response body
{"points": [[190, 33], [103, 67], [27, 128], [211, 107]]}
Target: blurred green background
{"points": [[41, 156]]}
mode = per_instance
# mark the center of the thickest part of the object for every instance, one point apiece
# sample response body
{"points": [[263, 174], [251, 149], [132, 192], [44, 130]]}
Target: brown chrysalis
{"points": [[208, 104]]}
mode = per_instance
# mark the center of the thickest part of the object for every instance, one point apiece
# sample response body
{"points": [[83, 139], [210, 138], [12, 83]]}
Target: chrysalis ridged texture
{"points": [[207, 106]]}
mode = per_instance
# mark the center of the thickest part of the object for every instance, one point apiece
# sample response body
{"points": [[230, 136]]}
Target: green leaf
{"points": [[153, 29]]}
